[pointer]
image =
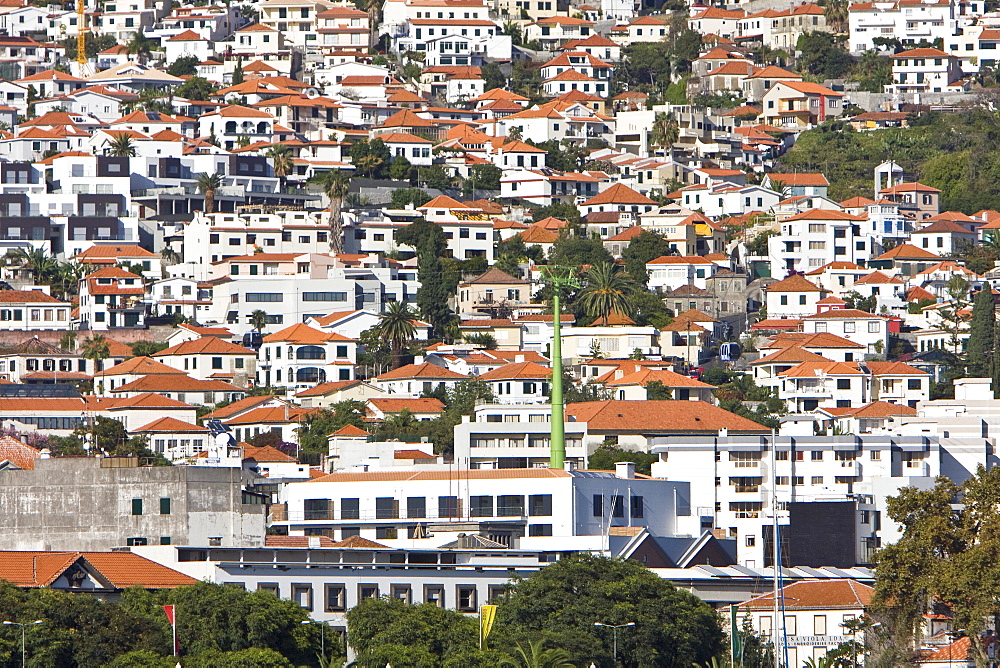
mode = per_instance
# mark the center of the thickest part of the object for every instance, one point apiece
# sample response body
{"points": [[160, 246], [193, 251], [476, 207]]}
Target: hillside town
{"points": [[451, 303]]}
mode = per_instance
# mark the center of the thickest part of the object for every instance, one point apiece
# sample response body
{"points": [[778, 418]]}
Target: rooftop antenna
{"points": [[559, 277]]}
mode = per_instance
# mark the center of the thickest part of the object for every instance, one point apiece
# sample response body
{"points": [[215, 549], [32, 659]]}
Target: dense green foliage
{"points": [[217, 625], [951, 152], [319, 425], [432, 297], [643, 248], [606, 456], [184, 66]]}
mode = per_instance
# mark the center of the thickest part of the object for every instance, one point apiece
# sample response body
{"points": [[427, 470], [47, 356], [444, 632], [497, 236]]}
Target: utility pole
{"points": [[559, 278], [24, 655]]}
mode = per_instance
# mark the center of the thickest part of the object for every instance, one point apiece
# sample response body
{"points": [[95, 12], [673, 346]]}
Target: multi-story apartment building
{"points": [[816, 238]]}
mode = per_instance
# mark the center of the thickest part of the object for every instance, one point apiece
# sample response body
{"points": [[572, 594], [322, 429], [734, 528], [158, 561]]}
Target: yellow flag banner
{"points": [[487, 615]]}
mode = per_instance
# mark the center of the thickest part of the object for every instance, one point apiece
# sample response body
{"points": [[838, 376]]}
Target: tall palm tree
{"points": [[96, 348], [536, 656], [837, 15], [337, 185], [121, 146], [42, 265], [396, 327], [665, 131], [373, 7], [608, 290], [258, 320], [208, 184], [281, 160], [139, 46]]}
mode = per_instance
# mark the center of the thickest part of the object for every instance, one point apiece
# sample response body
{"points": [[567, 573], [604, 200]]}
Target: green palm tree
{"points": [[121, 146], [837, 15], [536, 656], [42, 265], [396, 327], [991, 241], [96, 348], [208, 184], [258, 320], [608, 290], [336, 185], [665, 131], [139, 46], [373, 7], [281, 160]]}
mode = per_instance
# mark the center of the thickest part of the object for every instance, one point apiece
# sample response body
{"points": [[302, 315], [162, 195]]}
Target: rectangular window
{"points": [[819, 625], [434, 594], [350, 509], [366, 591], [843, 383], [386, 508], [617, 506], [416, 507], [336, 598], [164, 506], [481, 506], [637, 506], [466, 598], [447, 506], [263, 296], [510, 505], [137, 506], [598, 505], [540, 505], [873, 327], [324, 296], [816, 455], [848, 328], [539, 529], [302, 595]]}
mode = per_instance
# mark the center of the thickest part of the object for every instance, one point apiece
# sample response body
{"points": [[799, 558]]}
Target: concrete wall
{"points": [[78, 504]]}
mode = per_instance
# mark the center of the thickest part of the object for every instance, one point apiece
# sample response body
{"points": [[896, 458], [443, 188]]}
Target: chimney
{"points": [[518, 359], [314, 542], [625, 470]]}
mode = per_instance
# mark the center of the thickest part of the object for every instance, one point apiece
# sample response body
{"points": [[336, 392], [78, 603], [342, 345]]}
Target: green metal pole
{"points": [[557, 437]]}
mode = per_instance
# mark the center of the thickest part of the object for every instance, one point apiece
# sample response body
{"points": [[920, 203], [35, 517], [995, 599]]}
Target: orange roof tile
{"points": [[418, 405], [817, 595], [659, 416]]}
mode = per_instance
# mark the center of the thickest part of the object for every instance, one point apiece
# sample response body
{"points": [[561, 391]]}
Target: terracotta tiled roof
{"points": [[518, 371], [794, 283], [790, 355], [27, 297], [803, 340], [178, 382], [350, 430], [818, 595], [271, 415], [917, 293], [613, 319], [121, 569], [878, 278], [328, 388], [239, 406], [113, 252], [619, 194], [138, 366], [909, 252], [298, 541], [894, 369], [644, 375], [266, 454], [17, 453], [207, 345], [419, 405], [659, 417], [495, 276], [169, 424], [827, 367], [843, 314], [302, 333], [148, 400], [777, 323], [359, 543], [883, 409]]}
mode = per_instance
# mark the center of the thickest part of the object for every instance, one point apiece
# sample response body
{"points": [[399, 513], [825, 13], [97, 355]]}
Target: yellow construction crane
{"points": [[81, 34]]}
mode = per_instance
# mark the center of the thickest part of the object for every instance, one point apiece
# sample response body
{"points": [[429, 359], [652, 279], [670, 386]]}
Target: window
{"points": [[416, 507], [448, 506], [386, 508], [324, 297], [816, 455], [434, 594], [510, 505], [539, 529], [216, 362], [816, 480], [164, 506], [848, 328], [540, 505], [466, 595], [873, 327], [598, 505], [137, 506], [481, 506], [135, 541], [265, 296], [913, 384], [350, 509], [402, 592], [618, 506], [819, 625], [751, 541], [302, 595], [636, 509], [335, 598], [366, 591], [843, 383]]}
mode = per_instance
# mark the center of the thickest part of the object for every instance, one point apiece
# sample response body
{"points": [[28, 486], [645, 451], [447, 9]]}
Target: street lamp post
{"points": [[23, 626], [322, 636], [614, 636]]}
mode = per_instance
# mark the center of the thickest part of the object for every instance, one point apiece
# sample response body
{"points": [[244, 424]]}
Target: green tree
{"points": [[370, 158], [537, 656], [607, 455], [208, 184], [822, 55], [121, 146], [139, 46], [97, 349], [434, 176], [982, 332], [432, 296], [258, 320], [397, 327], [238, 75], [561, 602], [493, 77], [196, 88], [572, 250], [607, 290], [643, 248], [399, 170], [41, 264], [146, 348], [948, 550], [560, 210], [336, 185], [314, 431], [655, 390], [403, 197], [485, 177], [666, 131], [281, 161], [184, 66]]}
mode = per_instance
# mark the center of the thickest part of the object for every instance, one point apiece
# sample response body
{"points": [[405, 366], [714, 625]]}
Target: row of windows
{"points": [[335, 595], [616, 505], [506, 505], [164, 506]]}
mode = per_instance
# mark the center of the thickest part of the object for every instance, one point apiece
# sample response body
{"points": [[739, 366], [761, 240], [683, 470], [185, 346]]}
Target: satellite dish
{"points": [[312, 93]]}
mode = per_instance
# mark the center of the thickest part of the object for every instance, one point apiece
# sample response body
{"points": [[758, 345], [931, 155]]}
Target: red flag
{"points": [[169, 610]]}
